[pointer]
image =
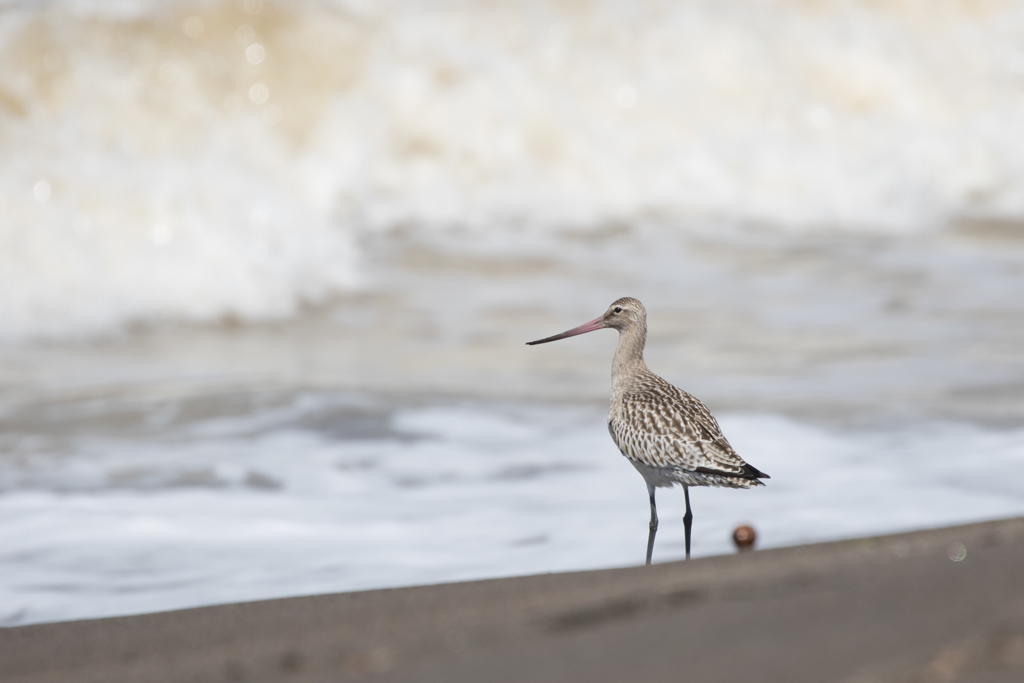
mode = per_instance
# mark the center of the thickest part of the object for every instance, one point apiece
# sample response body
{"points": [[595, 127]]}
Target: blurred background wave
{"points": [[217, 161]]}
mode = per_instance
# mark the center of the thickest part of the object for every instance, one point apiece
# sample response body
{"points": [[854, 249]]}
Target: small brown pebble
{"points": [[744, 537]]}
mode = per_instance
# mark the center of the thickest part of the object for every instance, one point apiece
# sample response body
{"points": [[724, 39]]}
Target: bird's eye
{"points": [[618, 309]]}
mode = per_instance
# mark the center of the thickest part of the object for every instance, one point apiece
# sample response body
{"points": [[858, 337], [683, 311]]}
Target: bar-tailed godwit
{"points": [[668, 435]]}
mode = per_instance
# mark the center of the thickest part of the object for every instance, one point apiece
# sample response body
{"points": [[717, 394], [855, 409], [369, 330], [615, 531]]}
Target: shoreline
{"points": [[888, 608]]}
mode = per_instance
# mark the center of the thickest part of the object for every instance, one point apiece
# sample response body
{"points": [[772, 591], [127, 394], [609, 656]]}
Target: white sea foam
{"points": [[281, 501], [204, 161]]}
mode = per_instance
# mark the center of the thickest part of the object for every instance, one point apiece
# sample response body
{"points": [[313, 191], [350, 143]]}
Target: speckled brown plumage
{"points": [[668, 430], [669, 436]]}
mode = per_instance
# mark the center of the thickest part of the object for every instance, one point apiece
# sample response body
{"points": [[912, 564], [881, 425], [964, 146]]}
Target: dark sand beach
{"points": [[891, 608]]}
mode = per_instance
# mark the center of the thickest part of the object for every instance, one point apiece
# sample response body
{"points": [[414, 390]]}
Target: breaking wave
{"points": [[220, 160]]}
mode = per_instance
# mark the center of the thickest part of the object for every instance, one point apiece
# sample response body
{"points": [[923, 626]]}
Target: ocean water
{"points": [[318, 492], [266, 271], [216, 161]]}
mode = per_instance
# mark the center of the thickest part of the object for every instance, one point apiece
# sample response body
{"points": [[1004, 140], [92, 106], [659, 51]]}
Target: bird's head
{"points": [[623, 313]]}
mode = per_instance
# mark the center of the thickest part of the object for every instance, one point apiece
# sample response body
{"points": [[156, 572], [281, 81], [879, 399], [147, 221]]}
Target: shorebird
{"points": [[669, 436]]}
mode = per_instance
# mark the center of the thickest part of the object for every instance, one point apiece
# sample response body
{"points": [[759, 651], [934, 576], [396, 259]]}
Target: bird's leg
{"points": [[687, 518], [654, 525]]}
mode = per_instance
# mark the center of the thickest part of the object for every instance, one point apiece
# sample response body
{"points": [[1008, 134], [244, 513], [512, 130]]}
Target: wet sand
{"points": [[893, 608]]}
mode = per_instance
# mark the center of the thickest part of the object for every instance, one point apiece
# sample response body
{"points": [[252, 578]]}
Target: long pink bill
{"points": [[582, 329]]}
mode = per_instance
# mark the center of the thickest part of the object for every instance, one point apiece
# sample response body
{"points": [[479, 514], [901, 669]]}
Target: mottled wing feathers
{"points": [[663, 427]]}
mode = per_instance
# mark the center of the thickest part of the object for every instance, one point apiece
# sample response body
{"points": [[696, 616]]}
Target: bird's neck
{"points": [[629, 357]]}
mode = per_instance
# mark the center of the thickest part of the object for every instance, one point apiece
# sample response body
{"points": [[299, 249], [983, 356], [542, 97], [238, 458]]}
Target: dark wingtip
{"points": [[754, 472], [746, 472], [751, 472]]}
